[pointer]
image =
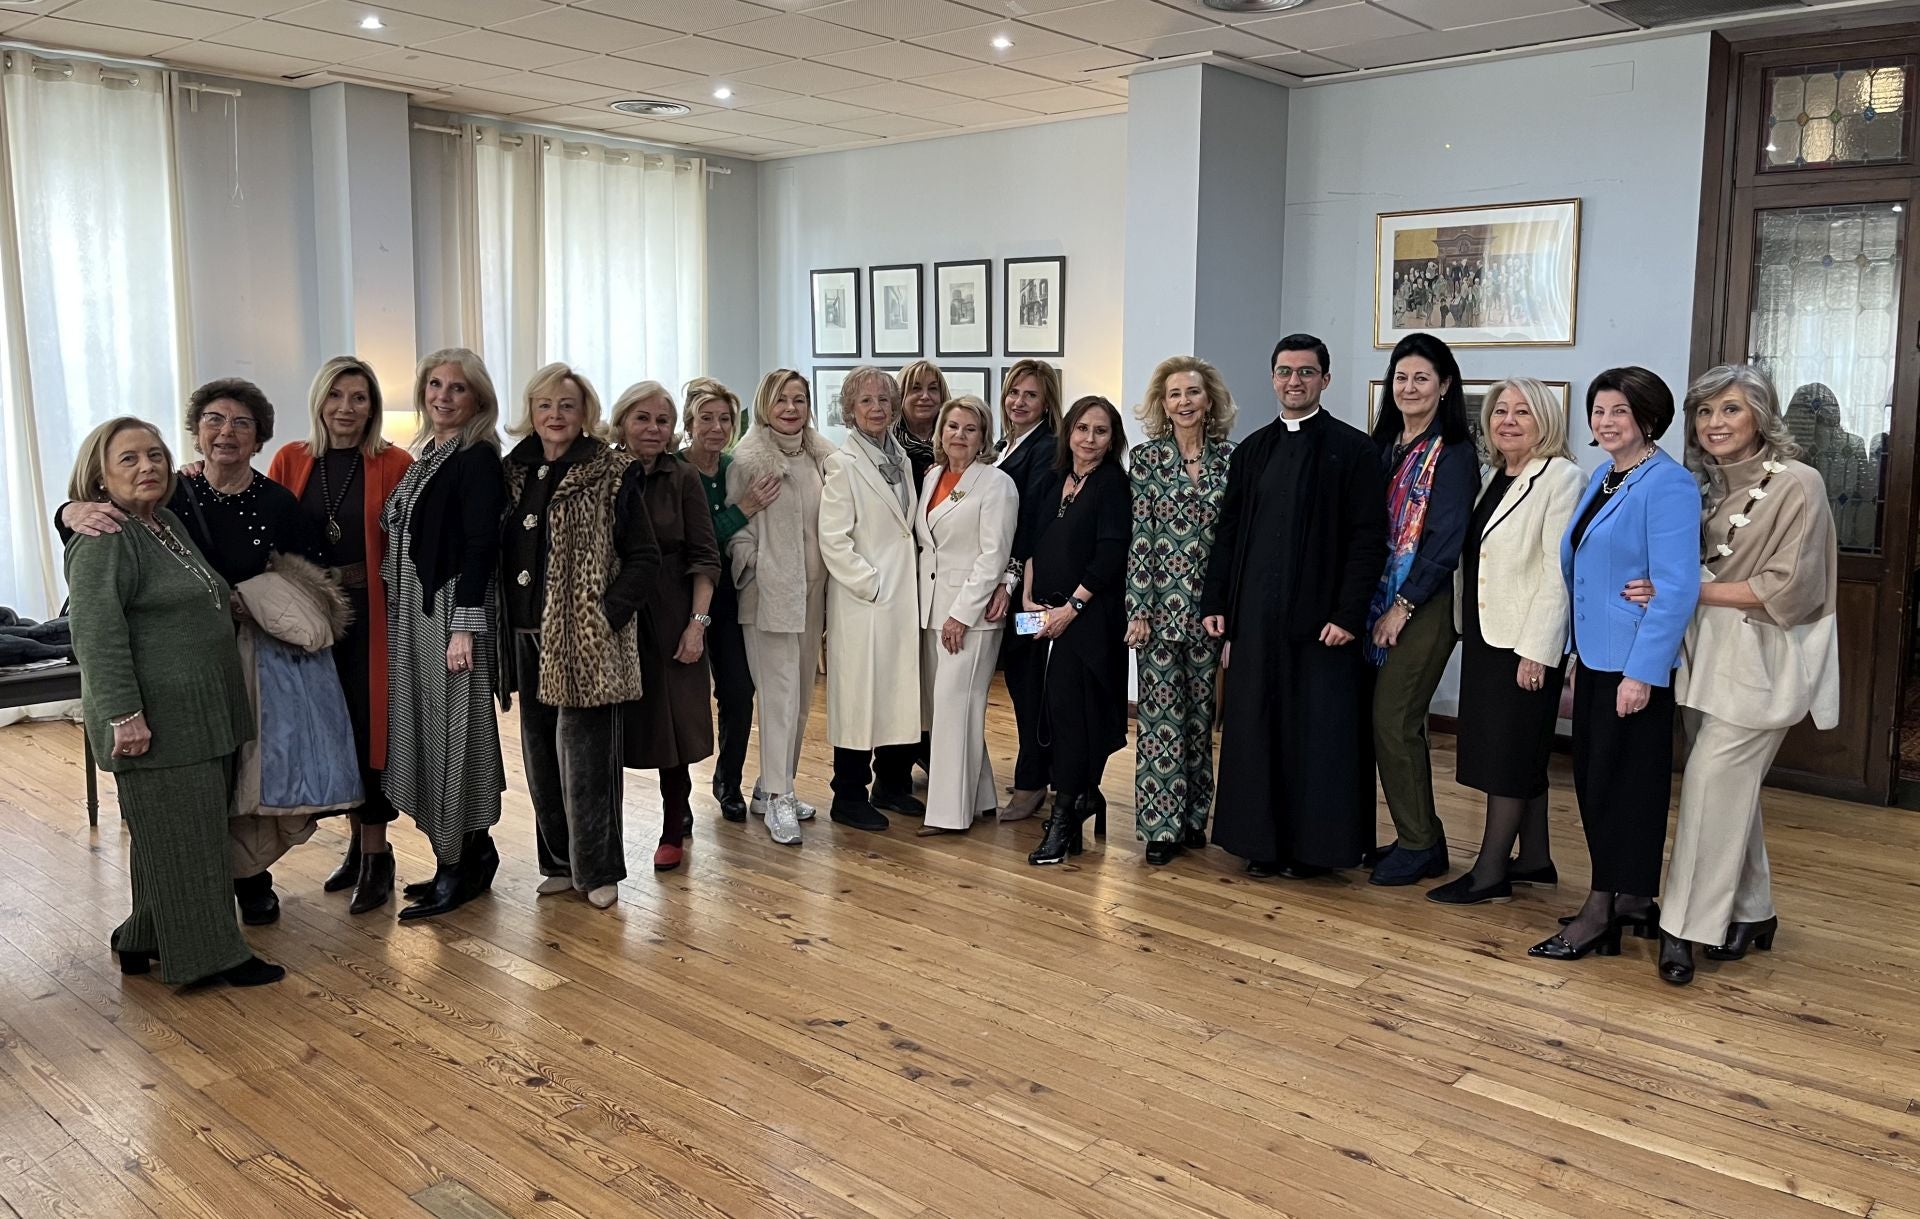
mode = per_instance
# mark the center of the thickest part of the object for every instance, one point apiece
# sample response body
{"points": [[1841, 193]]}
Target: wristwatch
{"points": [[703, 619], [1079, 606]]}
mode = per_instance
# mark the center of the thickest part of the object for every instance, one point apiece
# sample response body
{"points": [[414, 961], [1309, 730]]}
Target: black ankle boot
{"points": [[259, 905], [1742, 936], [1676, 960], [349, 870], [375, 884], [442, 894], [1061, 837], [733, 805], [479, 860]]}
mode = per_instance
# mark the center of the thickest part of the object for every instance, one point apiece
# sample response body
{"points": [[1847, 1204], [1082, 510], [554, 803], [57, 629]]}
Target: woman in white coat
{"points": [[783, 584], [873, 652], [965, 524]]}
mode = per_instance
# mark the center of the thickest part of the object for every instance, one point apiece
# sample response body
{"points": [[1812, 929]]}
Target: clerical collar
{"points": [[1293, 425]]}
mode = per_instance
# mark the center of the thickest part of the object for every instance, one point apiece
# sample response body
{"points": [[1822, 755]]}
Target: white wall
{"points": [[1622, 128], [1052, 189]]}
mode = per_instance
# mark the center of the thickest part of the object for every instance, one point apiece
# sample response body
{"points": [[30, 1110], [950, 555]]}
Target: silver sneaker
{"points": [[804, 811], [783, 820]]}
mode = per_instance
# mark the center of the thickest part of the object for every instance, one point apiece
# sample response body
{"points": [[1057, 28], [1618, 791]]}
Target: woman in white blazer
{"points": [[1510, 607], [873, 612], [965, 522]]}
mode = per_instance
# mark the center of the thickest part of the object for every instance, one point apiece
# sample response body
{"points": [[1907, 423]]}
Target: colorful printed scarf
{"points": [[1407, 512]]}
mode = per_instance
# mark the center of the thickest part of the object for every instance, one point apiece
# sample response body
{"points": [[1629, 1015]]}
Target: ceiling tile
{"points": [[1301, 64], [469, 12], [575, 116], [1064, 100], [687, 16], [1116, 85], [483, 101], [1117, 21], [700, 89], [1451, 14], [801, 76], [897, 61], [1337, 26], [817, 137], [343, 17], [611, 72], [1552, 27], [813, 110], [894, 124], [100, 39], [207, 56], [976, 42], [425, 65], [974, 114], [277, 39], [1074, 65], [708, 56], [667, 132], [541, 87], [492, 47], [755, 146], [1021, 8], [232, 8], [899, 18], [985, 82], [150, 17], [792, 34], [739, 122], [893, 95], [572, 27], [1220, 39]]}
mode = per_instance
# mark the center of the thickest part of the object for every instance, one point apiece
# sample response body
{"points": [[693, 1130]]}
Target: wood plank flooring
{"points": [[900, 1028]]}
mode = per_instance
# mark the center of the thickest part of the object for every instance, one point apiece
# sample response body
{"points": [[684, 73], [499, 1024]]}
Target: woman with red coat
{"points": [[342, 476]]}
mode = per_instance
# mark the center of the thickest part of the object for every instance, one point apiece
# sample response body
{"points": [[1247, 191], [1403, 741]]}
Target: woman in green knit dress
{"points": [[166, 709]]}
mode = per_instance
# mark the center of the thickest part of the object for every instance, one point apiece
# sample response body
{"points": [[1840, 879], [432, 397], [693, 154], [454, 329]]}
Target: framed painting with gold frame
{"points": [[1476, 393], [1502, 276]]}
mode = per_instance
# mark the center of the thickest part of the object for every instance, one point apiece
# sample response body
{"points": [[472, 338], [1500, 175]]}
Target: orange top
{"points": [[949, 479]]}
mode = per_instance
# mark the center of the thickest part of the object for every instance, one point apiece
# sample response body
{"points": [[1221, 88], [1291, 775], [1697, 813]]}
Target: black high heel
{"points": [[1061, 837], [1676, 960], [1742, 936], [1560, 948], [1640, 924], [1096, 803]]}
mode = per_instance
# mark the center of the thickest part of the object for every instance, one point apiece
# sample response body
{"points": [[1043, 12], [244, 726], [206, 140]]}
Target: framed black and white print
{"points": [[1036, 306], [826, 400], [975, 381], [898, 300], [836, 312], [963, 308]]}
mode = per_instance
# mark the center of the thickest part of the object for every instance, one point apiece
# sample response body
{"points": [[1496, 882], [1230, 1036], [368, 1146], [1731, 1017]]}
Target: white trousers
{"points": [[1718, 874], [784, 665], [954, 697]]}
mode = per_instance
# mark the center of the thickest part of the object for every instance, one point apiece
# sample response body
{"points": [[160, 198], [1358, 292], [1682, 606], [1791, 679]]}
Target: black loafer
{"points": [[1460, 892], [733, 805], [895, 800], [857, 814], [1162, 852]]}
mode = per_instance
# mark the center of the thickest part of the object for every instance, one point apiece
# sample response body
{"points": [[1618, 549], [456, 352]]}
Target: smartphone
{"points": [[1029, 622]]}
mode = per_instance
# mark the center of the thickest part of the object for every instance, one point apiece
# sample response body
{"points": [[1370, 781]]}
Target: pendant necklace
{"points": [[172, 545], [333, 505]]}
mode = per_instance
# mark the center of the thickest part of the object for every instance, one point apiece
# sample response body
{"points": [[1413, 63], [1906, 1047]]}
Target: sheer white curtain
{"points": [[92, 311], [506, 255]]}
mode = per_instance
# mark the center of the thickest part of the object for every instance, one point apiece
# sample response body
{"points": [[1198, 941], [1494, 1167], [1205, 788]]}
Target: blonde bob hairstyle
{"points": [[965, 402], [850, 393], [372, 443], [921, 368], [1049, 377], [1221, 411], [1547, 416], [698, 393], [484, 427], [545, 383], [630, 400], [89, 479], [770, 387], [1756, 388]]}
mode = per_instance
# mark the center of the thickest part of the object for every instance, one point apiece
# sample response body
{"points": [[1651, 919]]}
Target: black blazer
{"points": [[456, 526], [1031, 469]]}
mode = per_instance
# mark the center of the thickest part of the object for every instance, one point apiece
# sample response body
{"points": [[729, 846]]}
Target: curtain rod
{"points": [[514, 141]]}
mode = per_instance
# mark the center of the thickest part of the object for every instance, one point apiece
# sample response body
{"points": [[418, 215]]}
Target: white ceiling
{"points": [[805, 75]]}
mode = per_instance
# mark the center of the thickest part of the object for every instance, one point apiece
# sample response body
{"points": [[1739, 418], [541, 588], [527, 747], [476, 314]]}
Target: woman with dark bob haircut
{"points": [[1638, 520], [1076, 575]]}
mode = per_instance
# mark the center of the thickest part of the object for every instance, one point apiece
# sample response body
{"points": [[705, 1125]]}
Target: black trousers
{"points": [[350, 660], [1623, 776], [891, 765], [574, 780], [732, 687], [676, 810], [1078, 753], [1024, 665]]}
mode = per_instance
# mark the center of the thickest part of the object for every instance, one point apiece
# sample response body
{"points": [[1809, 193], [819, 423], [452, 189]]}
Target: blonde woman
{"points": [[1179, 477], [442, 526], [1029, 421], [923, 393], [782, 581], [1510, 609], [964, 519]]}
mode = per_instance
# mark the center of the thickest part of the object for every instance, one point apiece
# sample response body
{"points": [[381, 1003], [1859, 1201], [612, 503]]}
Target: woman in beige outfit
{"points": [[1761, 654], [783, 584]]}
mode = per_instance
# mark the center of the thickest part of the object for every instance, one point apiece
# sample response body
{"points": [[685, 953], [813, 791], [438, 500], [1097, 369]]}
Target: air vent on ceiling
{"points": [[1252, 6], [1651, 14], [652, 108]]}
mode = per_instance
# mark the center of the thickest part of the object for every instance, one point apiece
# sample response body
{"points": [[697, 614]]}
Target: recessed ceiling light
{"points": [[723, 93], [651, 107], [372, 22], [1252, 6], [1001, 42]]}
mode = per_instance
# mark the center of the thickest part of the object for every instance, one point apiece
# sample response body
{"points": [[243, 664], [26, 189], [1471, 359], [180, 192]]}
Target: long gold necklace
{"points": [[181, 555]]}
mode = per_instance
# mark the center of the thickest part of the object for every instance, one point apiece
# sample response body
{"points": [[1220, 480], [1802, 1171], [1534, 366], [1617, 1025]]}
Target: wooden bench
{"points": [[25, 689]]}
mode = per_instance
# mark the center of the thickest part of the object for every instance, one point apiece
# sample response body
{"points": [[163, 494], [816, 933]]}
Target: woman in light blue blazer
{"points": [[1639, 519]]}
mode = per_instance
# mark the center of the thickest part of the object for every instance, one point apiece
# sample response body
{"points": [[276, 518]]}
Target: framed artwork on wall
{"points": [[1476, 394], [1504, 276], [836, 312], [826, 400], [963, 308], [898, 309], [1035, 306], [975, 381]]}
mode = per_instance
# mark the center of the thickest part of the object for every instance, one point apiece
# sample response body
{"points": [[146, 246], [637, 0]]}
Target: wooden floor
{"points": [[903, 1028]]}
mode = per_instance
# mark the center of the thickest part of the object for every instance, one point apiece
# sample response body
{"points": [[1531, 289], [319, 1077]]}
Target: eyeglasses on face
{"points": [[214, 421], [1284, 373]]}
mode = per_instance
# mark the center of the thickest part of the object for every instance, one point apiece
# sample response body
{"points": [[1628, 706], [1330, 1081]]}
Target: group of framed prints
{"points": [[890, 309]]}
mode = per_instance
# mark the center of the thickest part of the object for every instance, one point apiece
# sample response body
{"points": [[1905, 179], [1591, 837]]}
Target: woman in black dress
{"points": [[1076, 574]]}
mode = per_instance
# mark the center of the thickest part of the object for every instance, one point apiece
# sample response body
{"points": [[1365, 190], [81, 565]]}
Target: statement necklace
{"points": [[181, 555], [1067, 496], [1613, 480], [331, 504], [1741, 520]]}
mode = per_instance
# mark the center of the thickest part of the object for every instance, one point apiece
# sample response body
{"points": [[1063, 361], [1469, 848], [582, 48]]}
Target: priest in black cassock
{"points": [[1301, 541]]}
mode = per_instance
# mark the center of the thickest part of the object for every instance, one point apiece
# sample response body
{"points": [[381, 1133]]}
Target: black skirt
{"points": [[1505, 733]]}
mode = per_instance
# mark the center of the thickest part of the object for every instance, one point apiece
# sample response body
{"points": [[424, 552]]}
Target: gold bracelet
{"points": [[124, 720]]}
